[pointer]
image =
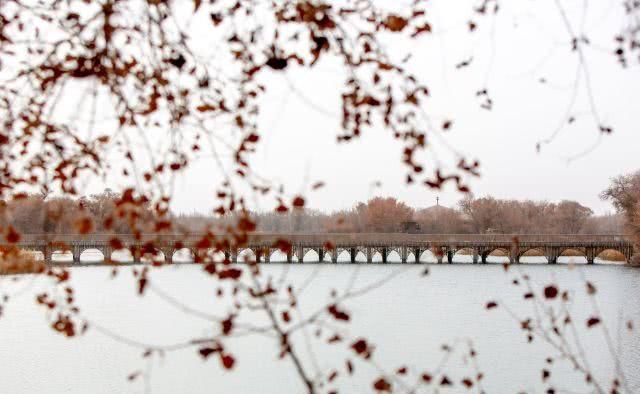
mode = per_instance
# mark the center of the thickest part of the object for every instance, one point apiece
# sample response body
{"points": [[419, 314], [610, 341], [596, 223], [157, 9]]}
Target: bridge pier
{"points": [[590, 254], [135, 251], [321, 253], [352, 254], [267, 255], [450, 256], [552, 255], [475, 256], [514, 253], [483, 257], [629, 252], [416, 254], [334, 256], [76, 251], [47, 253], [439, 256], [384, 255], [193, 253], [106, 251], [369, 255], [290, 256], [167, 252], [300, 254], [405, 253]]}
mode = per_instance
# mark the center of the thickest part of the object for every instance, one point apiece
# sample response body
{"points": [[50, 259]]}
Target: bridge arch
{"points": [[572, 252], [361, 257], [498, 255], [123, 255], [534, 256], [411, 257], [376, 255], [246, 255], [35, 253], [609, 256], [277, 256], [343, 255], [572, 256], [212, 255], [393, 256], [427, 256], [92, 255], [151, 256], [62, 256], [361, 249], [328, 256], [532, 252], [463, 255], [311, 255], [183, 255]]}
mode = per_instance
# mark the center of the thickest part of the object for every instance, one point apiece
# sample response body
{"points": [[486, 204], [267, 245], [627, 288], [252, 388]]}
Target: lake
{"points": [[408, 318]]}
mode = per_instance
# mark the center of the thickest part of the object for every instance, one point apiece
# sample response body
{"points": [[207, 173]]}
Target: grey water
{"points": [[408, 316]]}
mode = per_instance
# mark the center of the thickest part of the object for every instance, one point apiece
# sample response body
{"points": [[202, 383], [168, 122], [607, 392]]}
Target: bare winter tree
{"points": [[624, 193]]}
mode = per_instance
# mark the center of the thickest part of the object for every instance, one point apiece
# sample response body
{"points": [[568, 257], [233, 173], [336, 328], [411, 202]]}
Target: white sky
{"points": [[301, 113]]}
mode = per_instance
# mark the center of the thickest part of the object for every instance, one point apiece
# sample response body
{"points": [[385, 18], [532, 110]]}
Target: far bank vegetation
{"points": [[36, 214]]}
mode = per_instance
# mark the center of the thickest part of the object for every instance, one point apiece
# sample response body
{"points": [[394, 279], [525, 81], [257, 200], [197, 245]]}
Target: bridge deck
{"points": [[338, 237], [263, 244]]}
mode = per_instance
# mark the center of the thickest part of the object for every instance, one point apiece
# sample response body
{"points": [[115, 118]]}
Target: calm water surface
{"points": [[408, 318]]}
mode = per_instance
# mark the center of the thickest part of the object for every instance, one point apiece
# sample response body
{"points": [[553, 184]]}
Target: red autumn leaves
{"points": [[226, 360], [296, 203], [84, 225], [11, 235], [230, 273], [362, 348], [551, 292], [337, 313], [397, 23]]}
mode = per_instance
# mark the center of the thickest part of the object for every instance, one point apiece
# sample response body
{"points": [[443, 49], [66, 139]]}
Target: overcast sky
{"points": [[528, 43]]}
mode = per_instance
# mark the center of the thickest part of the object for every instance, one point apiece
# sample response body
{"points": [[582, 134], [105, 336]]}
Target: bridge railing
{"points": [[339, 238]]}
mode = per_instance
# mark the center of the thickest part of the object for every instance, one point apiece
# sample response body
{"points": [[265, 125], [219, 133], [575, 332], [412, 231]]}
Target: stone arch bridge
{"points": [[263, 245]]}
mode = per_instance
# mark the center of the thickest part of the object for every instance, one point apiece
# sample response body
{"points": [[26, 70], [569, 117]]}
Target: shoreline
{"points": [[607, 263]]}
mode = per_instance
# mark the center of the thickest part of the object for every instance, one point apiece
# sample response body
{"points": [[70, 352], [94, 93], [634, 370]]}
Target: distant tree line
{"points": [[471, 215], [99, 213], [43, 214]]}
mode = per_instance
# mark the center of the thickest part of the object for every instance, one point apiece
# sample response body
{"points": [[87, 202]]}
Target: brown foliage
{"points": [[488, 214], [16, 261], [481, 215], [624, 193], [100, 213]]}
